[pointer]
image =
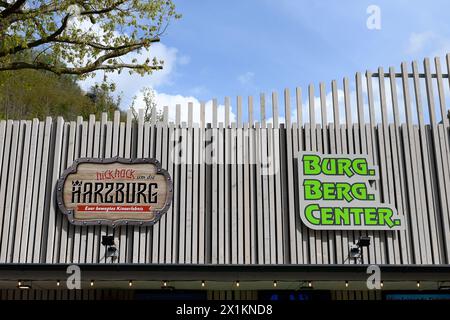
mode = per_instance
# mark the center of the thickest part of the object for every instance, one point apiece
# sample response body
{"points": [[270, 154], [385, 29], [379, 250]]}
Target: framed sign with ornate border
{"points": [[114, 191]]}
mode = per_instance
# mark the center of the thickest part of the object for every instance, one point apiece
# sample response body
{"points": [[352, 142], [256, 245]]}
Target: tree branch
{"points": [[38, 42], [12, 8], [104, 10], [74, 71], [102, 46]]}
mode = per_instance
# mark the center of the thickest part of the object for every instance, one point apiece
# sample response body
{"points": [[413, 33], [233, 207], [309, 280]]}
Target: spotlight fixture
{"points": [[165, 283], [111, 249], [237, 283], [274, 283], [310, 284], [356, 248], [381, 284], [58, 283], [22, 285], [108, 240], [418, 284], [346, 284], [92, 283], [203, 283], [130, 283], [363, 242]]}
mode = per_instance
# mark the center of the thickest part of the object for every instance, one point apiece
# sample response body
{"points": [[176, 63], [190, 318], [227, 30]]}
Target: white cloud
{"points": [[246, 78], [163, 99], [418, 41], [131, 84], [428, 43]]}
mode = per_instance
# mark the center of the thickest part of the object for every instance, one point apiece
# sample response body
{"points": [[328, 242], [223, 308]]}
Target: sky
{"points": [[247, 47]]}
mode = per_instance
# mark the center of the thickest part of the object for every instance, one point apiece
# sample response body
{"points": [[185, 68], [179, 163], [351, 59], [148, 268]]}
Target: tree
{"points": [[81, 36], [150, 105], [27, 94], [101, 95]]}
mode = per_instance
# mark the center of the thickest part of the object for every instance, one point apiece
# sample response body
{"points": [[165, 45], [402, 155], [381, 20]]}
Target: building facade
{"points": [[234, 228]]}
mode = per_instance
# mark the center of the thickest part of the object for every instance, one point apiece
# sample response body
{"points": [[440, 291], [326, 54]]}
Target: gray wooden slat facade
{"points": [[236, 190]]}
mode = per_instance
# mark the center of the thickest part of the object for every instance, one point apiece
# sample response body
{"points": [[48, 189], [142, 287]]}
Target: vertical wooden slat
{"points": [[240, 188], [139, 232], [156, 236], [221, 194], [214, 186], [367, 252], [265, 196], [252, 191], [386, 158], [21, 227], [335, 138], [290, 179], [182, 195], [309, 234], [58, 225], [398, 169], [262, 98], [170, 220], [277, 180], [246, 193], [35, 190], [202, 210], [96, 229], [445, 134], [323, 105], [50, 235], [328, 244], [227, 193], [259, 201], [441, 176], [80, 233], [66, 248], [107, 153], [374, 152], [163, 246], [195, 192], [415, 197], [189, 186], [12, 131]]}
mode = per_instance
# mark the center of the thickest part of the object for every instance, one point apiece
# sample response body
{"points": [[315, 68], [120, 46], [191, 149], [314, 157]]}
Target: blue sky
{"points": [[229, 48]]}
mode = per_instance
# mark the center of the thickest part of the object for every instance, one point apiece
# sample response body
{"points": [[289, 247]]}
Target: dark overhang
{"points": [[226, 272]]}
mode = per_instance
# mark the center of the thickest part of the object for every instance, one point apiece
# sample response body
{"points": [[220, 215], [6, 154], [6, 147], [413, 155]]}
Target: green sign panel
{"points": [[337, 193]]}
